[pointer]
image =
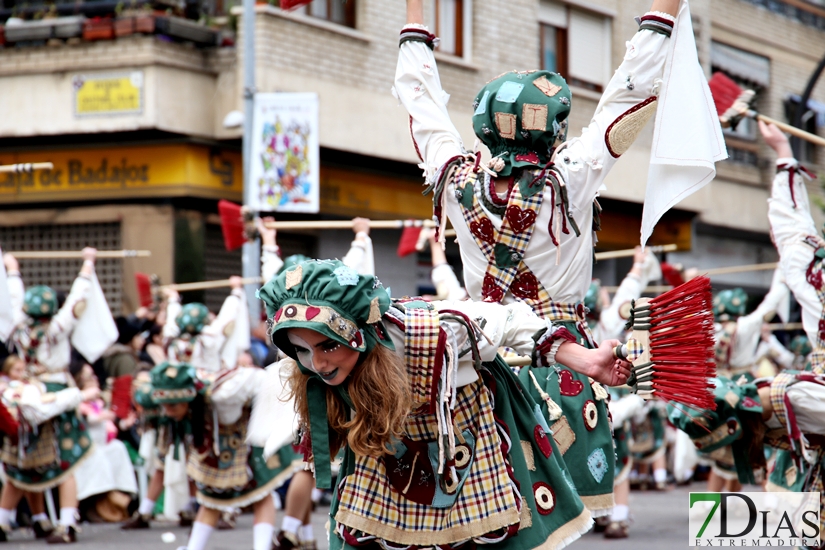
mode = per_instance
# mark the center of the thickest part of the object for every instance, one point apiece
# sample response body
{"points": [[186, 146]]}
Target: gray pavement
{"points": [[660, 521]]}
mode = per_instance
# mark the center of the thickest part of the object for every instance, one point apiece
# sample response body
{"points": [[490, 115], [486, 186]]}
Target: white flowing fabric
{"points": [[6, 313], [95, 330], [107, 469], [687, 136]]}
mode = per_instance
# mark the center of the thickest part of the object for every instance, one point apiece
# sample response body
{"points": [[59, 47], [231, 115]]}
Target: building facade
{"points": [[133, 122]]}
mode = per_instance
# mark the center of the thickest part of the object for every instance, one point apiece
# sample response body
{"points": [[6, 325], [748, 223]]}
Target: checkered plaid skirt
{"points": [[515, 495]]}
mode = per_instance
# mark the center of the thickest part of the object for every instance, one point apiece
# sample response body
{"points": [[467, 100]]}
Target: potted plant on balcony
{"points": [[133, 19], [98, 28]]}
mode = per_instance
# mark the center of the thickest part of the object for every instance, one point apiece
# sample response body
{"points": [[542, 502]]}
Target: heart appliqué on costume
{"points": [[312, 312], [542, 442], [490, 291], [483, 230], [568, 386], [526, 287], [520, 219]]}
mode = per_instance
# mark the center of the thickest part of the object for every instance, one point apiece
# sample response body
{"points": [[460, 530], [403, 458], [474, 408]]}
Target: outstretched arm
{"points": [[418, 87]]}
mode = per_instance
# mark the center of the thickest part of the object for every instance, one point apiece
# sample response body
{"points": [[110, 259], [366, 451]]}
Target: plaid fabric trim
{"points": [[227, 470], [424, 354], [488, 500], [35, 454], [779, 388]]}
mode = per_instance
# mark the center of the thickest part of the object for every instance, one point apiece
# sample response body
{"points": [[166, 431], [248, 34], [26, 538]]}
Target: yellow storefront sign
{"points": [[108, 94], [124, 172], [350, 193]]}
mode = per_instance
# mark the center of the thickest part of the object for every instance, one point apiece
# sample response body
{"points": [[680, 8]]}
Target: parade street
{"points": [[658, 519]]}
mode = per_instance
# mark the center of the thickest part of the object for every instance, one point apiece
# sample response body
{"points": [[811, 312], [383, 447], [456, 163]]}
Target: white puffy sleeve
{"points": [[234, 390], [36, 407], [271, 263], [360, 256], [170, 328], [67, 316]]}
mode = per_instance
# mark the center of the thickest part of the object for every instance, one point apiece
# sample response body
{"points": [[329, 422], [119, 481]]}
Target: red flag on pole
{"points": [[409, 240], [231, 224]]}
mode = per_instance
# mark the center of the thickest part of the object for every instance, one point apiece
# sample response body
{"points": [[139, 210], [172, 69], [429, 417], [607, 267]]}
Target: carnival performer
{"points": [[607, 319], [800, 259], [55, 445], [296, 526], [442, 275], [442, 444], [227, 471], [498, 212]]}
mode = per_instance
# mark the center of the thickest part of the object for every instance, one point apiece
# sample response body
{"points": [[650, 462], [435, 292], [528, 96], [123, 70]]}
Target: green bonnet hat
{"points": [[174, 383], [800, 345], [520, 116], [330, 298], [292, 261], [334, 300], [730, 304], [712, 430], [142, 396], [40, 302], [192, 318]]}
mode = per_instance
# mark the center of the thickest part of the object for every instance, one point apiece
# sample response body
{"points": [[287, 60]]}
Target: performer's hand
{"points": [[89, 254], [777, 140], [90, 394], [599, 364], [361, 225], [268, 236], [235, 282], [11, 263], [171, 295]]}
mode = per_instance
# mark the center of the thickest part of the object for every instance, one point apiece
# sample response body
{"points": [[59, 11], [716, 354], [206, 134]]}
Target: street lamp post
{"points": [[251, 250]]}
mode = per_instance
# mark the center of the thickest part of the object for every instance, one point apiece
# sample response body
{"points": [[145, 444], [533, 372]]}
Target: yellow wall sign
{"points": [[347, 192], [120, 93], [179, 170]]}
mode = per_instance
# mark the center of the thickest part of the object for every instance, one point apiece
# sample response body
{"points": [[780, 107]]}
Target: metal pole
{"points": [[796, 143], [251, 251]]}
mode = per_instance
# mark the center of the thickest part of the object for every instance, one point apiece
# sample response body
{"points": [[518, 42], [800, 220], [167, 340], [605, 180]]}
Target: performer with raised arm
{"points": [[524, 219], [55, 440], [475, 461]]}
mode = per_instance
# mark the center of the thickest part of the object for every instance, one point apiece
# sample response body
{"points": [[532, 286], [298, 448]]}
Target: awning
{"points": [[748, 66]]}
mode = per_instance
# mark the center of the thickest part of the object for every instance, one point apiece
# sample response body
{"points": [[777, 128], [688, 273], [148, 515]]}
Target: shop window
{"points": [[452, 26], [60, 274], [576, 44], [335, 11]]}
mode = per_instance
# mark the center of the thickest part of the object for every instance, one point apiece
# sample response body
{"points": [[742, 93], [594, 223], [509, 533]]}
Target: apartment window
{"points": [[812, 118], [335, 11], [750, 71], [450, 21], [576, 44]]}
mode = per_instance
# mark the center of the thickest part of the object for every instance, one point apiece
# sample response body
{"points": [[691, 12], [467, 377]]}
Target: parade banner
{"points": [[285, 158]]}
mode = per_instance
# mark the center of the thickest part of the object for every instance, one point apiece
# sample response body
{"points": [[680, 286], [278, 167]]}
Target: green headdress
{"points": [[730, 304], [334, 300], [40, 302], [800, 345], [712, 430], [174, 383], [521, 116], [192, 318], [142, 395]]}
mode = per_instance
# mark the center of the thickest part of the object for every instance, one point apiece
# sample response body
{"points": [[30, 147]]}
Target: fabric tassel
{"points": [[554, 412]]}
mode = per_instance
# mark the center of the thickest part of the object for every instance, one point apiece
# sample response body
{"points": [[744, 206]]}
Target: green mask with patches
{"points": [[192, 318], [728, 305], [174, 383], [520, 117]]}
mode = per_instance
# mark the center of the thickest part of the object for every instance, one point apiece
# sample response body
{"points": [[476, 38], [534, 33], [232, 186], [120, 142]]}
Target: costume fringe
{"points": [[54, 482]]}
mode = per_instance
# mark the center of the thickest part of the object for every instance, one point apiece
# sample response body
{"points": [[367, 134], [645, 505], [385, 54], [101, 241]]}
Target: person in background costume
{"points": [[442, 444], [525, 220], [55, 441]]}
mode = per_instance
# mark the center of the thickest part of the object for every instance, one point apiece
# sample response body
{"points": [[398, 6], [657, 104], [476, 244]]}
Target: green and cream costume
{"points": [[534, 244], [477, 462], [51, 449]]}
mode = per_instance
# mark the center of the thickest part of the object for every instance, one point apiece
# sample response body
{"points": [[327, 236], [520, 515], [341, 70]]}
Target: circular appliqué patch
{"points": [[545, 497], [591, 415], [462, 456], [291, 311]]}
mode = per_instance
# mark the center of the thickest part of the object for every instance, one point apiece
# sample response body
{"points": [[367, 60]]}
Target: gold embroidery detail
{"points": [[547, 88], [534, 117], [506, 124], [563, 434], [294, 277], [626, 128], [77, 310]]}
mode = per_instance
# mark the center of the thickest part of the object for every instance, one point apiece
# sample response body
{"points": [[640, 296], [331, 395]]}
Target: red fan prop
{"points": [[232, 224], [409, 242], [733, 104], [144, 288], [672, 274], [292, 4], [122, 396], [671, 347]]}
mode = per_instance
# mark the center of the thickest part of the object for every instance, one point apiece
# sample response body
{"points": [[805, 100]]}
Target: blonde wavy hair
{"points": [[379, 391]]}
